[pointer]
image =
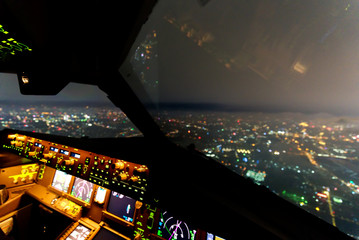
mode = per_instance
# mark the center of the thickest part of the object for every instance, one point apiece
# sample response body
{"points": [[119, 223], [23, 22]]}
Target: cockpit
{"points": [[196, 119]]}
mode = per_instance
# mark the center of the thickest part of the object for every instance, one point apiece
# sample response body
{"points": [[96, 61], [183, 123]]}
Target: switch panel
{"points": [[119, 175]]}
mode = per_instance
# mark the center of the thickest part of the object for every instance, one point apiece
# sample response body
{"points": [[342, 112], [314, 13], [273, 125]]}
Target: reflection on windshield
{"points": [[205, 65], [310, 160], [78, 111]]}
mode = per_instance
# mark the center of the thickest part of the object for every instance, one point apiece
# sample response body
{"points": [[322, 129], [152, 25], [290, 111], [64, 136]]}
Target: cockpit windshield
{"points": [[77, 111], [268, 89]]}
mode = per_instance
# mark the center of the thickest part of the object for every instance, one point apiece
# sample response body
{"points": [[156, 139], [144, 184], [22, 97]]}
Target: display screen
{"points": [[75, 155], [171, 228], [54, 149], [100, 195], [218, 238], [61, 181], [82, 189], [64, 152], [121, 206], [106, 234], [210, 236], [79, 233]]}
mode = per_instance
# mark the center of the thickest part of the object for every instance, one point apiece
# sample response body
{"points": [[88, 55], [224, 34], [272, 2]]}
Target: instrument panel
{"points": [[104, 197], [112, 173]]}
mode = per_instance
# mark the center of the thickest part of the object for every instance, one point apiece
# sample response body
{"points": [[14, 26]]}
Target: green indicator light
{"points": [[10, 46]]}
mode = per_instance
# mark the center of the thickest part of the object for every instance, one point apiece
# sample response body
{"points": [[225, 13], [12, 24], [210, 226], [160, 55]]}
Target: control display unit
{"points": [[79, 233]]}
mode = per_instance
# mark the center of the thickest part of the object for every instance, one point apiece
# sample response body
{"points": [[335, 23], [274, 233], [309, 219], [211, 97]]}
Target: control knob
{"points": [[138, 237], [31, 154], [123, 176], [48, 155], [16, 143], [69, 162], [141, 169], [134, 179], [118, 165]]}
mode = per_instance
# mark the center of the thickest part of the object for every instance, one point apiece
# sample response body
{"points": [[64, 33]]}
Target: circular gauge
{"points": [[172, 229]]}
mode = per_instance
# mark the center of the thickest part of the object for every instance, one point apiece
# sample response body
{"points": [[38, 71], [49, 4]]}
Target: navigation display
{"points": [[171, 228], [79, 233], [82, 189], [121, 206], [61, 181]]}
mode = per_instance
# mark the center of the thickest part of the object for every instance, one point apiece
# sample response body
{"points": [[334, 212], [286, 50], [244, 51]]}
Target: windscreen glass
{"points": [[267, 88], [79, 110]]}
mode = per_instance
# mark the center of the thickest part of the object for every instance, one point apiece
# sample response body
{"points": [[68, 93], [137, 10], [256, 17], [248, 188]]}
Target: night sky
{"points": [[260, 55], [274, 55]]}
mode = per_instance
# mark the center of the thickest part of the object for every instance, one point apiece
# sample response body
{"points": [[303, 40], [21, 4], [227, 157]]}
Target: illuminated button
{"points": [[95, 163], [31, 154], [11, 136], [16, 143], [87, 161], [21, 138], [102, 161]]}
